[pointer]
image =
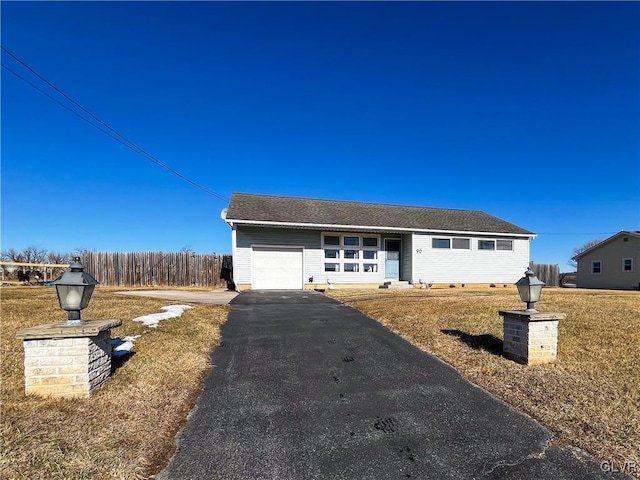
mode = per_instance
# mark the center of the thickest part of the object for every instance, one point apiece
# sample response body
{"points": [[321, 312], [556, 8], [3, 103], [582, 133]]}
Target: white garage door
{"points": [[277, 268]]}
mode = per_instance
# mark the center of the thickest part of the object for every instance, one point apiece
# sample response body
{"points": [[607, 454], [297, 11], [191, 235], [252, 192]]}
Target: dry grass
{"points": [[590, 398], [125, 430]]}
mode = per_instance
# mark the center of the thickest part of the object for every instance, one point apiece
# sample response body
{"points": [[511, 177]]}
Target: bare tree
{"points": [[573, 262], [55, 257], [33, 254], [12, 255]]}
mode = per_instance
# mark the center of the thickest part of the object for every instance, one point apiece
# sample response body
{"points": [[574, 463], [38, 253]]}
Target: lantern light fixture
{"points": [[74, 289], [529, 289]]}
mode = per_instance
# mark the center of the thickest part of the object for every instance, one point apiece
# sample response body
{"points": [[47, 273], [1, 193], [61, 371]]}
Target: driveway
{"points": [[304, 387]]}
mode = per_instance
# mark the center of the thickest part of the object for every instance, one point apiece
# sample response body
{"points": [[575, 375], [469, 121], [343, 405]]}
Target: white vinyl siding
{"points": [[470, 265], [418, 259]]}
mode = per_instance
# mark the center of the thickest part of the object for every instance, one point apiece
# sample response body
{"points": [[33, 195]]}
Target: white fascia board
{"points": [[321, 226]]}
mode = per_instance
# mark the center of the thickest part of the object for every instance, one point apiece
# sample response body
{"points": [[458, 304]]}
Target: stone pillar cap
{"points": [[88, 328], [532, 316]]}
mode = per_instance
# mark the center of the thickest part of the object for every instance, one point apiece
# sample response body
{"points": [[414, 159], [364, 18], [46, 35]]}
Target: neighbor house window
{"points": [[596, 266], [351, 253], [486, 244], [440, 243], [627, 264], [461, 243], [504, 244]]}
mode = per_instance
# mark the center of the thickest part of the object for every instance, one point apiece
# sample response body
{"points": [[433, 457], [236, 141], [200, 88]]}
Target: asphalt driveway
{"points": [[305, 387]]}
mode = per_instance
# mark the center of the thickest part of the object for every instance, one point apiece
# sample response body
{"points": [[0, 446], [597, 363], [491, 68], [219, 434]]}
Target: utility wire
{"points": [[117, 136], [586, 233]]}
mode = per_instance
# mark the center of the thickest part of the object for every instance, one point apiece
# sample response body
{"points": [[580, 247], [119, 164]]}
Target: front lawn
{"points": [[126, 430], [589, 398]]}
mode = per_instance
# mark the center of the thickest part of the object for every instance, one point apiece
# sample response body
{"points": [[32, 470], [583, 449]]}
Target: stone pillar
{"points": [[67, 361], [530, 337]]}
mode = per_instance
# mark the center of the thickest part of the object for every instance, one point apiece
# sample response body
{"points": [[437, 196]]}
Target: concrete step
{"points": [[396, 284]]}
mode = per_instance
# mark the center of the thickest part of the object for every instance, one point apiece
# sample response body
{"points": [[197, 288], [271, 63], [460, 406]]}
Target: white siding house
{"points": [[295, 243]]}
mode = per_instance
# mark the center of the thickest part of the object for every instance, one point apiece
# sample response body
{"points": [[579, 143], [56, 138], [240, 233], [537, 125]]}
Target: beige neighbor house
{"points": [[302, 243], [613, 263]]}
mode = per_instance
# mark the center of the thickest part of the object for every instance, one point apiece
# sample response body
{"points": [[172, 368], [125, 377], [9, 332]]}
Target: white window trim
{"points": [[624, 260], [433, 239], [461, 238], [494, 249], [504, 249], [451, 239], [360, 261], [592, 264]]}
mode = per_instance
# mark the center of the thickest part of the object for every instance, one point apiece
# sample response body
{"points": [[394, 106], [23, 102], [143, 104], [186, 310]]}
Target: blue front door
{"points": [[392, 259]]}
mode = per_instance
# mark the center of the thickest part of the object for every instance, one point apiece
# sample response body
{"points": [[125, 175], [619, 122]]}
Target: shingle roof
{"points": [[293, 210]]}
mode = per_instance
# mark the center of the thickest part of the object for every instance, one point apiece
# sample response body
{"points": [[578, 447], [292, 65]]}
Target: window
{"points": [[370, 241], [331, 253], [504, 244], [461, 243], [596, 266], [351, 241], [486, 244], [331, 240], [440, 243], [351, 253], [627, 264]]}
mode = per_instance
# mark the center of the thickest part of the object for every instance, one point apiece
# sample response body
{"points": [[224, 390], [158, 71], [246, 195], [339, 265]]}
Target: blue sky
{"points": [[527, 111]]}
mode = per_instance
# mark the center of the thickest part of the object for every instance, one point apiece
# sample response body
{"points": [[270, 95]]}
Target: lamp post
{"points": [[74, 289], [529, 289]]}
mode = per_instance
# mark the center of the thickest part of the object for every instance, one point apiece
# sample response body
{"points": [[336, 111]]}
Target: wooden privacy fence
{"points": [[182, 269], [549, 274]]}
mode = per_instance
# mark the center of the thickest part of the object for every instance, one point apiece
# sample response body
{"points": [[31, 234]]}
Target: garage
{"points": [[277, 268]]}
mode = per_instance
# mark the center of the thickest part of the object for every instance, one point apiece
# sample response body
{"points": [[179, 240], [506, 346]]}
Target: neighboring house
{"points": [[295, 243], [612, 263]]}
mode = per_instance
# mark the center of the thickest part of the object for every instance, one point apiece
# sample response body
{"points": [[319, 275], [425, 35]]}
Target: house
{"points": [[296, 243], [612, 263]]}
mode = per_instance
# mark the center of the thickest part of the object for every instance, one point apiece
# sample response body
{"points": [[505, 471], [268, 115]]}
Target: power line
{"points": [[585, 233], [115, 135]]}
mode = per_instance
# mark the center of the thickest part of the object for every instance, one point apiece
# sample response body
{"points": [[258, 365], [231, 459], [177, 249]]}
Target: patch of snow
{"points": [[122, 346], [171, 311]]}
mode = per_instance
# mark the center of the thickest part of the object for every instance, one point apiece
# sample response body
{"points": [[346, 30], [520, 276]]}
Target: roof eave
{"points": [[605, 241], [327, 226]]}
